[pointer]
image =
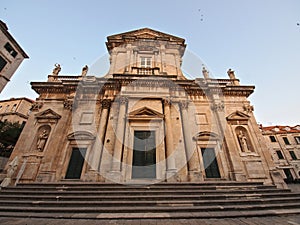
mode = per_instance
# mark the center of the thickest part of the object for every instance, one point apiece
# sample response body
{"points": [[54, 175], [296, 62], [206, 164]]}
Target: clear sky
{"points": [[259, 39]]}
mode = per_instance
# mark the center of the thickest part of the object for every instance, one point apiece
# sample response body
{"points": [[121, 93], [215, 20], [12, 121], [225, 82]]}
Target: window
{"points": [[14, 108], [286, 140], [272, 138], [145, 62], [10, 49], [2, 63], [279, 154], [6, 109], [293, 155], [297, 139]]}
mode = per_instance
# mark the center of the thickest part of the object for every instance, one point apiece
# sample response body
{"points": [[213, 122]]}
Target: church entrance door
{"points": [[144, 155], [76, 163], [210, 163]]}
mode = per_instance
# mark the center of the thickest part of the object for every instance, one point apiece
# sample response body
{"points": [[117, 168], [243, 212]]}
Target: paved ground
{"points": [[282, 220]]}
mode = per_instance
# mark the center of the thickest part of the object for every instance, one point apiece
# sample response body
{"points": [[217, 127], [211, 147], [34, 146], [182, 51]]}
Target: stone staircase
{"points": [[163, 200]]}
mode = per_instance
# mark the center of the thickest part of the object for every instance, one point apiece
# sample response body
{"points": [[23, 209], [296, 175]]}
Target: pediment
{"points": [[48, 114], [81, 135], [145, 113], [143, 33], [206, 136], [238, 116]]}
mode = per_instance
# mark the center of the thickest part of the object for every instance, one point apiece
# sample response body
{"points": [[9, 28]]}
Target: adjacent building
{"points": [[284, 144], [11, 55], [15, 110], [143, 121]]}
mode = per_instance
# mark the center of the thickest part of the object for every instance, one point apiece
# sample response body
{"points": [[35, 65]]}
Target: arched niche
{"points": [[43, 134], [244, 139]]}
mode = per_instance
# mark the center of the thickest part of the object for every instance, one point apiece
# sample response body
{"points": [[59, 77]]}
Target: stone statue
{"points": [[84, 70], [243, 142], [205, 73], [12, 167], [42, 140], [232, 77], [56, 70], [231, 74]]}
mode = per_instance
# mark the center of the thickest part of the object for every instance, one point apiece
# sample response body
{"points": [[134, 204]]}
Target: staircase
{"points": [[163, 200]]}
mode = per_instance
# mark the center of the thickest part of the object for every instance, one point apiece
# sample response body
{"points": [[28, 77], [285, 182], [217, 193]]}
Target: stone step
{"points": [[142, 192], [80, 197], [161, 184], [150, 209], [138, 203], [157, 215], [136, 188]]}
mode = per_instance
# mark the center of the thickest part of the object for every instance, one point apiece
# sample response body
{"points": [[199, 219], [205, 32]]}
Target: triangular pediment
{"points": [[48, 114], [145, 112], [238, 116], [143, 33]]}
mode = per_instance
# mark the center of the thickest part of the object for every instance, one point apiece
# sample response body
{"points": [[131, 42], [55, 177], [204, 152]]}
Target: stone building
{"points": [[15, 110], [284, 145], [143, 121], [11, 55]]}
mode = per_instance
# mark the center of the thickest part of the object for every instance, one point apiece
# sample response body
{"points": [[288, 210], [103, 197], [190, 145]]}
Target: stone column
{"points": [[191, 151], [171, 167], [117, 155], [101, 134]]}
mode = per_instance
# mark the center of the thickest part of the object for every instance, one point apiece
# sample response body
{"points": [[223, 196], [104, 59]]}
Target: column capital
{"points": [[218, 106], [184, 104], [122, 100], [106, 103], [167, 101]]}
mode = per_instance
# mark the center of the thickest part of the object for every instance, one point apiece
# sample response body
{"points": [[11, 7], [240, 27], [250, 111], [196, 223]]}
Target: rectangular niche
{"points": [[86, 118], [201, 119]]}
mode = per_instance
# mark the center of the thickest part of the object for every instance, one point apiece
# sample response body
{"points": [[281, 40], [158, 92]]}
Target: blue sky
{"points": [[260, 40]]}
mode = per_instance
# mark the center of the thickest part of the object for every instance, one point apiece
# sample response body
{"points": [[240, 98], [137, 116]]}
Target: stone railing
{"points": [[145, 70]]}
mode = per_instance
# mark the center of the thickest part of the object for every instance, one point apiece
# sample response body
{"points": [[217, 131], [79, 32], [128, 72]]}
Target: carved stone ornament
{"points": [[106, 103], [248, 108], [184, 104], [167, 101], [36, 106], [218, 107], [123, 100], [68, 104]]}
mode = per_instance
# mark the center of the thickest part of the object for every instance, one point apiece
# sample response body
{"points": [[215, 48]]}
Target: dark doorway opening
{"points": [[144, 155], [210, 163], [76, 163], [289, 177]]}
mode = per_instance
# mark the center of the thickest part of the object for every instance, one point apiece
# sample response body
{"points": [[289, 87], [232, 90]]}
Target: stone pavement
{"points": [[276, 220]]}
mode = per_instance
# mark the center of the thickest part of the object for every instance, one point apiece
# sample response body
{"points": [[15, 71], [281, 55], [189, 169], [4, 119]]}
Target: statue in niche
{"points": [[243, 142], [42, 139], [56, 70], [84, 70]]}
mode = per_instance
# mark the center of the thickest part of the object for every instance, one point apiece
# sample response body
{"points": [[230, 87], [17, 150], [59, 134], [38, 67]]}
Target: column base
{"points": [[239, 176], [195, 176], [114, 176], [171, 175]]}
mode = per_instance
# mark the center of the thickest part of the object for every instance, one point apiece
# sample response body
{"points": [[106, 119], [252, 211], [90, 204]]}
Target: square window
{"points": [[279, 154], [272, 138], [146, 62], [293, 155], [11, 50], [297, 139], [2, 63], [286, 140]]}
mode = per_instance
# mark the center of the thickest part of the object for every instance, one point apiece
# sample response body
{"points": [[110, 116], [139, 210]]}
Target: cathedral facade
{"points": [[143, 121]]}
